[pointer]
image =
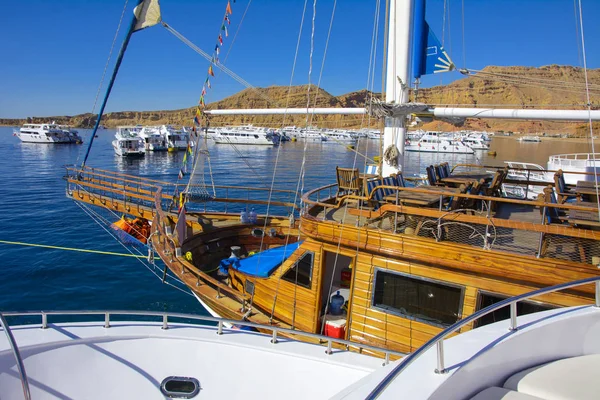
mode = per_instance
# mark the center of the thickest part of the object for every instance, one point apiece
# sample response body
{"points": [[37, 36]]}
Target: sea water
{"points": [[35, 210]]}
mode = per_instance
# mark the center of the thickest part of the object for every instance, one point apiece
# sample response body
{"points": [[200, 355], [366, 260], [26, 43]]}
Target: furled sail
{"points": [[147, 14], [429, 56]]}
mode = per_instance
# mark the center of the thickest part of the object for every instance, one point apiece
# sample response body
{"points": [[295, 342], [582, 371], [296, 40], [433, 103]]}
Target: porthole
{"points": [[180, 387]]}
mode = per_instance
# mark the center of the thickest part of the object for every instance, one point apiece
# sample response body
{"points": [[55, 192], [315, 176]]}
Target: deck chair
{"points": [[432, 178], [561, 189], [348, 181], [441, 171], [377, 195], [494, 189], [447, 169]]}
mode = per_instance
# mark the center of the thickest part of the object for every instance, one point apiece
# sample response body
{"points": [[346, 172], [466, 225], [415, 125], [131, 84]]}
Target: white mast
{"points": [[397, 77]]}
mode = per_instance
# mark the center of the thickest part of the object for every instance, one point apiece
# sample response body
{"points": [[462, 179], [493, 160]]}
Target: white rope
{"points": [[96, 218], [589, 105], [287, 100], [112, 46], [237, 31], [223, 68]]}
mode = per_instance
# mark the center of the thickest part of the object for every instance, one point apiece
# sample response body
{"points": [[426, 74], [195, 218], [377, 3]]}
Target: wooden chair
{"points": [[473, 204], [561, 189], [456, 202], [348, 181]]}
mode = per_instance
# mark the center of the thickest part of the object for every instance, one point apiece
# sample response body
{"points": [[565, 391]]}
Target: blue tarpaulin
{"points": [[260, 264]]}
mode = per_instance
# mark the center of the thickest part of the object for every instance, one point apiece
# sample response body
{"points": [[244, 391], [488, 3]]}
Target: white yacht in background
{"points": [[246, 134], [71, 133], [432, 142], [530, 138], [175, 139], [153, 139], [474, 141], [43, 133], [128, 143], [575, 162], [312, 134], [339, 136]]}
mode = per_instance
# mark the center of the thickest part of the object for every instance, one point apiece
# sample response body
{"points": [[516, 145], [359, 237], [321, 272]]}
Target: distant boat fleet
{"points": [[137, 140]]}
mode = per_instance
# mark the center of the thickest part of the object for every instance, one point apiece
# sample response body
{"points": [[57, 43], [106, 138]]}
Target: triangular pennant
{"points": [[228, 9], [210, 71]]}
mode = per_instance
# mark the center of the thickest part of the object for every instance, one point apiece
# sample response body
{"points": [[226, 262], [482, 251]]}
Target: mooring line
{"points": [[110, 253]]}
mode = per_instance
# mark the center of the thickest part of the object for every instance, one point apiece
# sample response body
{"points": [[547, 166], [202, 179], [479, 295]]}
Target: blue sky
{"points": [[54, 52]]}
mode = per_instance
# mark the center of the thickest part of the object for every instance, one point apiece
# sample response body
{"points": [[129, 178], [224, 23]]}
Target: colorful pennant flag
{"points": [[185, 158], [208, 83], [225, 29], [217, 49], [228, 9], [196, 121], [220, 39], [189, 149], [203, 91], [227, 19], [202, 101], [210, 71], [181, 175]]}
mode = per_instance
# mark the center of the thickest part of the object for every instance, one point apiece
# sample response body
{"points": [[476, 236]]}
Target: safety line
{"points": [[110, 253]]}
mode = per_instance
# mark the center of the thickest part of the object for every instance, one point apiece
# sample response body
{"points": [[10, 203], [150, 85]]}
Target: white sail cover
{"points": [[147, 14]]}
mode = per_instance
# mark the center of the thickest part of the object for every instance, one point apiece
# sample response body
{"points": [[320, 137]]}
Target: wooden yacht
{"points": [[408, 261]]}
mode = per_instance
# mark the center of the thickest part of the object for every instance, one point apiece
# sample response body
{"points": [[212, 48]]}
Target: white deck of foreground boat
{"points": [[130, 360]]}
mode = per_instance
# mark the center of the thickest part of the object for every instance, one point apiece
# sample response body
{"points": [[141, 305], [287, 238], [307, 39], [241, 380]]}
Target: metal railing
{"points": [[220, 324], [438, 340], [17, 354]]}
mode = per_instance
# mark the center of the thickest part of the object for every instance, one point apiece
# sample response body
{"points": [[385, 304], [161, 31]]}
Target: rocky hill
{"points": [[514, 87]]}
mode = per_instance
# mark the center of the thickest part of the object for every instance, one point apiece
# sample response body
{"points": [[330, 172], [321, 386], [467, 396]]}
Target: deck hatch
{"points": [[180, 387]]}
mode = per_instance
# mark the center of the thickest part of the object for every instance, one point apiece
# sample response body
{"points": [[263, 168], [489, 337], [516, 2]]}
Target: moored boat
{"points": [[433, 142], [128, 143], [45, 133]]}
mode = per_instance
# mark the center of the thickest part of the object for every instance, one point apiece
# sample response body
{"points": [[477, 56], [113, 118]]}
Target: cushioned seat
{"points": [[498, 393], [568, 378]]}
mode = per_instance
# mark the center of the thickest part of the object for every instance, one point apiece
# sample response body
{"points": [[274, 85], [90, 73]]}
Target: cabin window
{"points": [[301, 271], [523, 307], [418, 299]]}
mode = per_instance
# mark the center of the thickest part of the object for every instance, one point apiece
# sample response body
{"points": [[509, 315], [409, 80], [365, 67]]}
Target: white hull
{"points": [[577, 162], [31, 138], [127, 152], [440, 148]]}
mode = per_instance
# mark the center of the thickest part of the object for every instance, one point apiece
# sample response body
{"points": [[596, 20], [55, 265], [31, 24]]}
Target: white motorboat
{"points": [[153, 139], [530, 138], [71, 133], [43, 133], [175, 139], [432, 142], [575, 162], [338, 136], [128, 143], [543, 355], [246, 134], [312, 134]]}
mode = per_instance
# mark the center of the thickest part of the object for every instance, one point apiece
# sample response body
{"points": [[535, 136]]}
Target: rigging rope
{"points": [[223, 68], [112, 46], [46, 246], [97, 218], [589, 106], [236, 31], [287, 101]]}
